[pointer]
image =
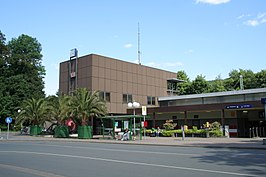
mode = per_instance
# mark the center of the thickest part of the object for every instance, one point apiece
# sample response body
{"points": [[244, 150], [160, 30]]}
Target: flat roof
{"points": [[124, 117], [214, 94], [175, 80]]}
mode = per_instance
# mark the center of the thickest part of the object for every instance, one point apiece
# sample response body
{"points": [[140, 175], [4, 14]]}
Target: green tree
{"points": [[34, 111], [86, 105], [199, 85], [217, 85], [233, 82], [183, 86], [261, 79], [21, 72], [5, 99], [60, 108], [26, 59]]}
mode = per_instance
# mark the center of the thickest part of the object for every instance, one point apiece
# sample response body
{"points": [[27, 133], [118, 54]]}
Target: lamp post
{"points": [[134, 105]]}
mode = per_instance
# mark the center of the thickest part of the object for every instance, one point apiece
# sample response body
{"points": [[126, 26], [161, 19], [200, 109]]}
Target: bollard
{"points": [[264, 141], [253, 132], [250, 133], [257, 132]]}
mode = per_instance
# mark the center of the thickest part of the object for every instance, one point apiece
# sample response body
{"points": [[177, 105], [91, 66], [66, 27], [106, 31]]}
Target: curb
{"points": [[134, 143]]}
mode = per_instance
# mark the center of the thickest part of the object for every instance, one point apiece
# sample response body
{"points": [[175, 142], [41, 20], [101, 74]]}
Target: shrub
{"points": [[215, 133], [169, 125]]}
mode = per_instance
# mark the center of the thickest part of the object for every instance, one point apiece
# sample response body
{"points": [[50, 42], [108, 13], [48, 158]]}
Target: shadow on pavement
{"points": [[253, 161]]}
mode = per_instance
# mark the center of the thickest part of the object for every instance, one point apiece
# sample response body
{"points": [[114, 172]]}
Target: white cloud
{"points": [[252, 23], [128, 46], [214, 2], [258, 20], [243, 16]]}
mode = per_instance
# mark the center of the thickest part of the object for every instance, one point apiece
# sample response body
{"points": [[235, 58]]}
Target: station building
{"points": [[119, 82], [243, 111]]}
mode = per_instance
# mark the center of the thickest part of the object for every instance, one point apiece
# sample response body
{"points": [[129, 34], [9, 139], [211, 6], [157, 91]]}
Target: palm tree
{"points": [[86, 105], [35, 111], [59, 108], [59, 112]]}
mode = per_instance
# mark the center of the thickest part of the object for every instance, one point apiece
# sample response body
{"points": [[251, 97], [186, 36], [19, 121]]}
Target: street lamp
{"points": [[134, 105]]}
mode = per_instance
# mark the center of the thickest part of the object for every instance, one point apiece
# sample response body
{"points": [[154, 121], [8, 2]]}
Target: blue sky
{"points": [[208, 37]]}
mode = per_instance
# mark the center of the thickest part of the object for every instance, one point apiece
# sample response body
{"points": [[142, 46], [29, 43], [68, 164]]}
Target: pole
{"points": [[183, 132], [134, 122], [7, 131], [144, 128], [265, 112]]}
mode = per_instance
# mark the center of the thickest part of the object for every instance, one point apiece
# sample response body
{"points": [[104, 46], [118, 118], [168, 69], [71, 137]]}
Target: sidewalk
{"points": [[244, 143]]}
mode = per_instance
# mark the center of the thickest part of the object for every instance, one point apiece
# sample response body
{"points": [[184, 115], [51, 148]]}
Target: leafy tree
{"points": [[34, 111], [261, 79], [26, 59], [217, 85], [183, 86], [199, 85], [21, 72], [233, 82], [87, 104]]}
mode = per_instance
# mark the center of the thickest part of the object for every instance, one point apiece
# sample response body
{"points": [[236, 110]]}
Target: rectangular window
{"points": [[153, 101], [101, 95], [127, 98], [150, 100], [105, 96], [124, 98]]}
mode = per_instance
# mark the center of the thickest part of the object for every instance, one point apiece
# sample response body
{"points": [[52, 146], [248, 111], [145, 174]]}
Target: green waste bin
{"points": [[35, 130], [85, 132]]}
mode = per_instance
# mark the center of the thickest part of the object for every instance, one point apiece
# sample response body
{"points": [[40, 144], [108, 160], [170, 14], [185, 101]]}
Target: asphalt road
{"points": [[51, 158]]}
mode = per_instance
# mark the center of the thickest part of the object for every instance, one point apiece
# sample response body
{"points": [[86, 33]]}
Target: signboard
{"points": [[144, 110], [241, 106], [126, 123], [73, 53], [8, 120]]}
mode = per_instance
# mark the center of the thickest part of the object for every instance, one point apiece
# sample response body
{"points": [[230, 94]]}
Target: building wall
{"points": [[117, 77]]}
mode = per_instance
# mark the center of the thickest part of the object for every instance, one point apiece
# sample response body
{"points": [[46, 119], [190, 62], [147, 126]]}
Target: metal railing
{"points": [[257, 132]]}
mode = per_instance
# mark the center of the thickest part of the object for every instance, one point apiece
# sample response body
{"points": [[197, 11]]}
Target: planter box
{"points": [[85, 132], [35, 130], [61, 131]]}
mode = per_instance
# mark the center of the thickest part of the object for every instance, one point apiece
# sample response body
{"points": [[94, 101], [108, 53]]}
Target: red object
{"points": [[145, 124], [71, 124]]}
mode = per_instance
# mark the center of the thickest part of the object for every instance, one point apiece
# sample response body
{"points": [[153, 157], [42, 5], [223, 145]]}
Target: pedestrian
{"points": [[158, 131]]}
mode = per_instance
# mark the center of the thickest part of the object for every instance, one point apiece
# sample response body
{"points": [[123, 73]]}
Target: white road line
{"points": [[132, 163], [29, 171], [123, 150]]}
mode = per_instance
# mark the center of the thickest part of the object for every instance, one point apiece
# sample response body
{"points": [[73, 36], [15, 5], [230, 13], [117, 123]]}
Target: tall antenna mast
{"points": [[139, 45]]}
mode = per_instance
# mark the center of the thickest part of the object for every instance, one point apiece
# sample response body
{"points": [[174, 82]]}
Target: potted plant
{"points": [[59, 112], [34, 111], [86, 105]]}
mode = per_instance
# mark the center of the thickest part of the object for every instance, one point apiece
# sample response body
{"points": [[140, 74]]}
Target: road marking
{"points": [[131, 162], [123, 150], [29, 171]]}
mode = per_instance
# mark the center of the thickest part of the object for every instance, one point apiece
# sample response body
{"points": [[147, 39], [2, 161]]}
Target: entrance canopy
{"points": [[124, 117]]}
